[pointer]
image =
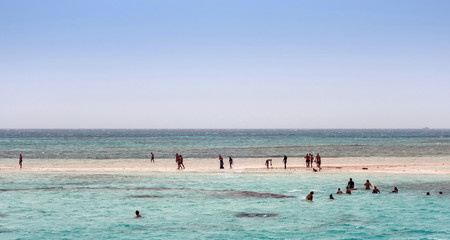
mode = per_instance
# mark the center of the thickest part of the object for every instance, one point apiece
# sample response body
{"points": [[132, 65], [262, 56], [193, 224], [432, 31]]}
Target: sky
{"points": [[224, 64]]}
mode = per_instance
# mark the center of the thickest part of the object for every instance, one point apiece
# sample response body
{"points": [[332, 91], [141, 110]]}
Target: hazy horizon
{"points": [[224, 65]]}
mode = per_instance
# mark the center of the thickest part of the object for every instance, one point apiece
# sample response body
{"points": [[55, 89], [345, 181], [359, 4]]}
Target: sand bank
{"points": [[417, 165]]}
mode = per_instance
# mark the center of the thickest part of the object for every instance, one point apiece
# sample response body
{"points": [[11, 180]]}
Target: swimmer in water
{"points": [[310, 196], [428, 193], [348, 191], [339, 191], [375, 189], [331, 196], [368, 185], [441, 193], [351, 184], [137, 214], [395, 190]]}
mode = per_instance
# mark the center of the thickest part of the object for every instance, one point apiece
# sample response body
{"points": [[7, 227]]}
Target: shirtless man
{"points": [[339, 191], [368, 185], [152, 159], [319, 161], [307, 160], [231, 162], [311, 157], [331, 196], [395, 190]]}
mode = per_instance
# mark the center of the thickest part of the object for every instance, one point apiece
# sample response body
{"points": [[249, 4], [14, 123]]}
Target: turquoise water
{"points": [[192, 205], [216, 205]]}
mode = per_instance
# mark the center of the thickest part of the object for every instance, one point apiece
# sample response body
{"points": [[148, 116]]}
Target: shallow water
{"points": [[193, 205], [245, 143]]}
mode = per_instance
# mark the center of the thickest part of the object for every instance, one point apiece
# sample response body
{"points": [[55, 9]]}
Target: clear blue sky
{"points": [[224, 64]]}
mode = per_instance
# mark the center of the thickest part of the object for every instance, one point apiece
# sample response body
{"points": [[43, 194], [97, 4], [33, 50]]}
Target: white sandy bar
{"points": [[416, 165]]}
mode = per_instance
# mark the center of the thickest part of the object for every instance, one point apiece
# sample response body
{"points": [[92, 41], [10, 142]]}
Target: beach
{"points": [[95, 195], [405, 165]]}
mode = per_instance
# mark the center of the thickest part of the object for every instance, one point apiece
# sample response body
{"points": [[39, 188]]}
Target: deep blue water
{"points": [[136, 144]]}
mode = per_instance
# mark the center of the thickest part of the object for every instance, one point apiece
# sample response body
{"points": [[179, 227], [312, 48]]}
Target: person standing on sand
{"points": [[152, 158], [311, 157], [20, 160], [319, 161], [231, 162], [221, 162], [267, 162], [285, 161], [307, 160]]}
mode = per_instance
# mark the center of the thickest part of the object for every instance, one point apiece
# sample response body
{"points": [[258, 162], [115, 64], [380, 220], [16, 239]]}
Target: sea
{"points": [[219, 204]]}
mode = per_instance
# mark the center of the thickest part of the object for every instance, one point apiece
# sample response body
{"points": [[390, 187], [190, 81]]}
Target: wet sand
{"points": [[419, 165]]}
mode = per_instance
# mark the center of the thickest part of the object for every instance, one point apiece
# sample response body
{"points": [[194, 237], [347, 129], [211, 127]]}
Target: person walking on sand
{"points": [[285, 161], [152, 158], [20, 160], [181, 162], [231, 162], [177, 160], [221, 162]]}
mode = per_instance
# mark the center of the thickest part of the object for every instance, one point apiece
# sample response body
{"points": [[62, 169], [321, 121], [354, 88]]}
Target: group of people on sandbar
{"points": [[230, 161], [179, 161], [310, 160]]}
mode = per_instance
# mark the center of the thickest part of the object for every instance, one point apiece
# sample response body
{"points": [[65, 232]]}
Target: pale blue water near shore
{"points": [[219, 205], [189, 205]]}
